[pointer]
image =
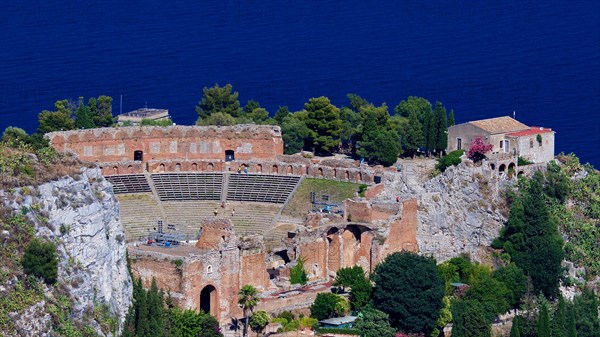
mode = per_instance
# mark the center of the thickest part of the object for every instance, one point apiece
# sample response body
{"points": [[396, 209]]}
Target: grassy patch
{"points": [[338, 191]]}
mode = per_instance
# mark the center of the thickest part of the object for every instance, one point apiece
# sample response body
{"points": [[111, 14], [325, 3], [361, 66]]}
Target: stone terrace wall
{"points": [[363, 174], [172, 142]]}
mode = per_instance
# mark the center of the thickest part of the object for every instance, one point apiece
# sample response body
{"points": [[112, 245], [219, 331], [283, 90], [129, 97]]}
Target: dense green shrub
{"points": [[522, 161], [40, 260], [324, 306], [338, 331], [451, 159]]}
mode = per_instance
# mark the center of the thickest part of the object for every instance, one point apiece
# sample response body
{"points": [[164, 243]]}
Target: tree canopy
{"points": [[219, 99], [409, 288], [323, 120]]}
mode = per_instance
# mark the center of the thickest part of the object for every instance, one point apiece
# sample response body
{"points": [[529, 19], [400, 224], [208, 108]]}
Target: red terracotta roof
{"points": [[534, 130]]}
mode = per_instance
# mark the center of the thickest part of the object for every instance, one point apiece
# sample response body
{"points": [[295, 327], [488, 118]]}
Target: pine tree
{"points": [[429, 131], [543, 322], [281, 113], [323, 120]]}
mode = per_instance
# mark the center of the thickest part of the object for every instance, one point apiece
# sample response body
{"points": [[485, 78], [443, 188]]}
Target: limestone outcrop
{"points": [[81, 216], [460, 211]]}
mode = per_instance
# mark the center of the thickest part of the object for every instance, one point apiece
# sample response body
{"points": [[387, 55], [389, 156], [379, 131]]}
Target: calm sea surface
{"points": [[538, 58]]}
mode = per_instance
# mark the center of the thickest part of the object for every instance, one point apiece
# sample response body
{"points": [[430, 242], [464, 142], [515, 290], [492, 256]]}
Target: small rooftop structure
{"points": [[136, 116], [339, 322]]}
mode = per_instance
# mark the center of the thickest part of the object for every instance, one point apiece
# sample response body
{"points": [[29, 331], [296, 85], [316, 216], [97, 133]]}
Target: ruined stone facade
{"points": [[208, 274], [143, 144]]}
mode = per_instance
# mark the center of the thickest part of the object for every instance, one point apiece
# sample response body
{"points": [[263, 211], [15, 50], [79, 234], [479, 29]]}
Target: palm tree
{"points": [[247, 300]]}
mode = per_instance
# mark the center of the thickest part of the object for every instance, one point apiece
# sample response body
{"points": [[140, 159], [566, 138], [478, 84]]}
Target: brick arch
{"points": [[359, 176], [209, 300], [130, 169], [347, 174], [259, 168], [275, 169], [178, 167], [290, 169], [210, 167], [320, 172], [161, 167], [115, 169], [194, 167], [502, 168]]}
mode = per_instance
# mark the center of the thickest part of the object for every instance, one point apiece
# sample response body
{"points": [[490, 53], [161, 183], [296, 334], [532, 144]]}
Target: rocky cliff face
{"points": [[80, 215], [460, 211]]}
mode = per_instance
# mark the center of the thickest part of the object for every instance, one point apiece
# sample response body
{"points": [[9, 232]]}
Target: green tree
{"points": [[103, 117], [142, 327], [219, 99], [531, 238], [441, 128], [571, 324], [324, 123], [297, 273], [374, 323], [420, 106], [40, 260], [469, 319], [451, 118], [490, 293], [515, 281], [429, 131], [324, 306], [559, 320], [409, 288], [348, 276], [585, 308], [413, 134], [13, 136], [379, 144], [514, 330], [294, 133], [218, 119], [247, 300], [444, 318], [83, 117], [544, 321], [281, 114], [49, 121], [259, 321], [155, 310]]}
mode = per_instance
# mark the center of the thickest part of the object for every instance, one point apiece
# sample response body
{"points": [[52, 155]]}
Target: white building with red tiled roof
{"points": [[508, 136]]}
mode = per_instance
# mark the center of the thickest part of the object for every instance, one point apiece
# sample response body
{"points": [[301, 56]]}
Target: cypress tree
{"points": [[429, 131], [451, 118], [571, 327], [514, 330], [543, 322], [83, 117], [559, 321], [441, 128], [142, 324], [155, 310]]}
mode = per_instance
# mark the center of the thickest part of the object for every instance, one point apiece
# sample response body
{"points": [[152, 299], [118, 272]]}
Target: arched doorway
{"points": [[290, 170], [115, 170], [210, 167], [275, 169], [178, 167], [359, 176], [347, 176], [320, 172], [208, 300], [259, 168], [502, 168], [194, 167], [229, 155], [130, 169], [161, 168]]}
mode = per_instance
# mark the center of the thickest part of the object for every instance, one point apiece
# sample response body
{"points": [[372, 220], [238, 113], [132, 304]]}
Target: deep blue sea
{"points": [[482, 59]]}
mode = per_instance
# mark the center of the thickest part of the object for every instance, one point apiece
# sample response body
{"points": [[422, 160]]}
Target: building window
{"points": [[458, 144], [209, 269], [506, 146], [501, 144]]}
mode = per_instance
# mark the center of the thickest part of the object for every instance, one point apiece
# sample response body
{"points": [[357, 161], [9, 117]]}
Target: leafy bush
{"points": [[40, 260], [451, 159], [522, 161], [324, 306]]}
